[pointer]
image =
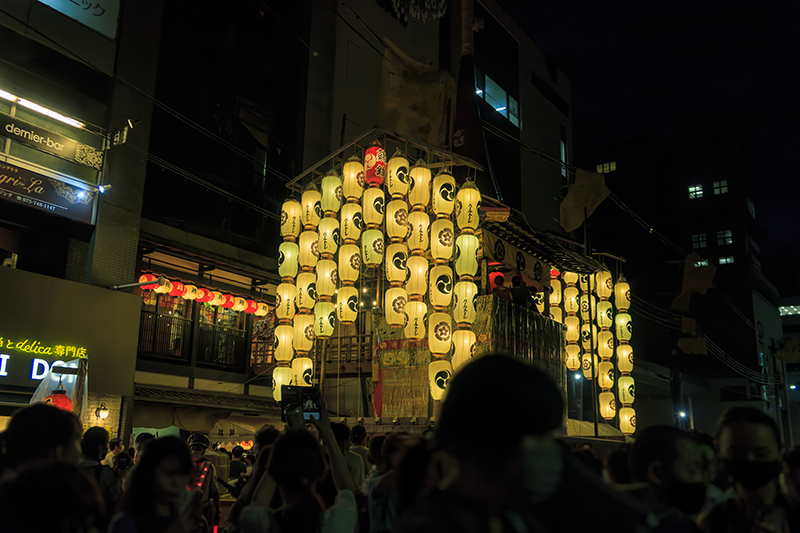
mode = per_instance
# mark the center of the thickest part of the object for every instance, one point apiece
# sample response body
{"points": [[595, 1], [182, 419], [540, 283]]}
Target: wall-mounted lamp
{"points": [[102, 411]]}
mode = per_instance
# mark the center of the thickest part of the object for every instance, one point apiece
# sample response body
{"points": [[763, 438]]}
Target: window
{"points": [[721, 187], [513, 111], [487, 89], [563, 150], [699, 241], [701, 263], [695, 191], [724, 237], [727, 260]]}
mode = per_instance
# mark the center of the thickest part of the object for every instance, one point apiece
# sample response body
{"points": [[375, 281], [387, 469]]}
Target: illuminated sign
{"points": [[34, 346], [100, 15]]}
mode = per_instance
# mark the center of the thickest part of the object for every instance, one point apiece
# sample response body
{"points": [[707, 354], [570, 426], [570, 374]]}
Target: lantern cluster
{"points": [[604, 319], [161, 285], [625, 387]]}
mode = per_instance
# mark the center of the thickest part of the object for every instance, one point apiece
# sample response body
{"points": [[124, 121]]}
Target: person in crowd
{"points": [[668, 459], [717, 485], [237, 466], [132, 451], [617, 470], [115, 447], [95, 447], [500, 290], [250, 462], [358, 435], [520, 294], [353, 461], [265, 437], [749, 445], [142, 440], [74, 506], [158, 500], [790, 476], [122, 466], [383, 498], [375, 459], [295, 467], [587, 447], [204, 478]]}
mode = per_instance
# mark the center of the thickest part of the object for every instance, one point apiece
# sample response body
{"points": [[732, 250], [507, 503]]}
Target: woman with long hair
{"points": [[158, 500]]}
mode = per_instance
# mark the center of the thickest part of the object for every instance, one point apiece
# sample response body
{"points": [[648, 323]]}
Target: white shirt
{"points": [[341, 517], [356, 467]]}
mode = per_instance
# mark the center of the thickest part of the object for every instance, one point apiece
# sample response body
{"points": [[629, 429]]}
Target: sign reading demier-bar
{"points": [[25, 187]]}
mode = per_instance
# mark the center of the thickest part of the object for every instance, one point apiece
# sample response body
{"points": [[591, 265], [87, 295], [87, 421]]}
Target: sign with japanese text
{"points": [[100, 15]]}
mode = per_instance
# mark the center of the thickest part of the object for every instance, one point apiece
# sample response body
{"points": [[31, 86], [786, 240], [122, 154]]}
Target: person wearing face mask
{"points": [[749, 446], [204, 478], [669, 461]]}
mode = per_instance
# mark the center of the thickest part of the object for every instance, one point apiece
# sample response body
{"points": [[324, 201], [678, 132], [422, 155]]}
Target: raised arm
{"points": [[339, 472]]}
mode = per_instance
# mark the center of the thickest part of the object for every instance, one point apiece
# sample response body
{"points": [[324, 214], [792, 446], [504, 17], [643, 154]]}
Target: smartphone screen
{"points": [[311, 406]]}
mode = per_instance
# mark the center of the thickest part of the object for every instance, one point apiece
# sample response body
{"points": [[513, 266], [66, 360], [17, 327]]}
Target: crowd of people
{"points": [[511, 476]]}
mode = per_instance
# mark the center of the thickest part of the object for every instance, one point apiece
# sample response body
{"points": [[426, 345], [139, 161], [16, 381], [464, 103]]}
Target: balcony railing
{"points": [[165, 336], [222, 346]]}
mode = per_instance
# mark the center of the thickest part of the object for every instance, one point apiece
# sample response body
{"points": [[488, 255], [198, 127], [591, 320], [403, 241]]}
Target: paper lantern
{"points": [[605, 344], [585, 301], [327, 279], [306, 291], [262, 309], [586, 366], [571, 278], [251, 307], [331, 194], [227, 301], [464, 343], [583, 282], [177, 289], [439, 373], [556, 291], [607, 405], [468, 205], [288, 254], [444, 194], [605, 375], [589, 336], [352, 223], [622, 294], [604, 284], [397, 220], [291, 221], [417, 313], [283, 346], [465, 297], [324, 319], [623, 326], [625, 358], [419, 192], [353, 181], [303, 333], [440, 289], [166, 288], [375, 164], [309, 250], [573, 324], [396, 264], [557, 314], [397, 178], [148, 277], [417, 282], [218, 299], [373, 206], [347, 305], [372, 247], [395, 307], [605, 314], [442, 240], [349, 263], [466, 255], [189, 292], [573, 353], [60, 399], [311, 204], [627, 421], [239, 304], [571, 306], [204, 295], [440, 333], [281, 375], [303, 372], [285, 296], [418, 223], [626, 390], [328, 237]]}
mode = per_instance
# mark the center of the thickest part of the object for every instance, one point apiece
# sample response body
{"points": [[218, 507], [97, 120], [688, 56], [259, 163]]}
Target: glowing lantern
{"points": [[419, 193], [324, 319], [189, 292], [311, 207], [605, 345], [397, 178], [327, 279], [396, 264], [347, 305], [204, 295], [349, 263], [538, 300], [468, 205], [396, 300], [557, 314], [372, 247], [375, 164], [442, 240], [439, 373], [585, 301], [328, 237], [625, 358], [465, 297], [604, 284], [623, 323], [444, 194], [227, 301], [373, 205], [284, 336], [573, 328], [288, 253], [417, 313], [571, 300], [586, 366], [285, 296], [353, 183], [605, 314], [417, 282], [573, 357], [251, 307], [440, 291], [463, 347], [148, 277], [306, 291], [627, 420], [608, 405], [622, 294], [571, 278], [418, 222], [589, 336], [282, 375], [331, 194], [58, 398], [605, 375], [302, 372], [583, 283], [219, 299], [466, 256], [291, 219], [626, 390], [166, 288], [262, 309], [352, 223], [303, 340], [397, 220], [309, 250], [239, 304], [440, 333], [555, 292]]}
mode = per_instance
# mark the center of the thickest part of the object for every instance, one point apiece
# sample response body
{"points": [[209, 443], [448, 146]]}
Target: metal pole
{"points": [[161, 281]]}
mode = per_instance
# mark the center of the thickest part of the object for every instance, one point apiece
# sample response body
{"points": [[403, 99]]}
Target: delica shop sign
{"points": [[51, 142]]}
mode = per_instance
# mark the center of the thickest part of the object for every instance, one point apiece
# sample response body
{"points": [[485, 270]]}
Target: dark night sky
{"points": [[653, 68]]}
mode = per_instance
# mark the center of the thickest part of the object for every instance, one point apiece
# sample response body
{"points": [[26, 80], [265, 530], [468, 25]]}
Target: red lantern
{"points": [[148, 277], [60, 399], [227, 301], [375, 164], [178, 289], [204, 295], [252, 306]]}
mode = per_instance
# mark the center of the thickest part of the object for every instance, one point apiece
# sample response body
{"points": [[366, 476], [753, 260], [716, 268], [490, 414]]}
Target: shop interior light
{"points": [[48, 112], [682, 413], [7, 96], [793, 387], [81, 194], [102, 411]]}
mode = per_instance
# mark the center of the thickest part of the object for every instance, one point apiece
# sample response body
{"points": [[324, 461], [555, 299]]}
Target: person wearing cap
{"points": [[203, 478]]}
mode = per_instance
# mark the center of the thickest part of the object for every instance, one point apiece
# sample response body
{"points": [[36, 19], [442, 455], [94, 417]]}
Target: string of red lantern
{"points": [[202, 295]]}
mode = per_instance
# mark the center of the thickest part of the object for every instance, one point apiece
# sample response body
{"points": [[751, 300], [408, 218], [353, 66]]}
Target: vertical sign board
{"points": [[47, 321], [100, 15]]}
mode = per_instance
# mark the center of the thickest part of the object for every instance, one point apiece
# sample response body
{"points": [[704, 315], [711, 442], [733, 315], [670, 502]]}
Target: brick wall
{"points": [[114, 405]]}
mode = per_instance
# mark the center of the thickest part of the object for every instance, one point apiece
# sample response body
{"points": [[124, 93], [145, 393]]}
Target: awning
{"points": [[585, 428]]}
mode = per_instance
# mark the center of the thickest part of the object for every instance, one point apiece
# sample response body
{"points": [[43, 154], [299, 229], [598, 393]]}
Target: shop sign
{"points": [[100, 15], [25, 187], [18, 367], [50, 142]]}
